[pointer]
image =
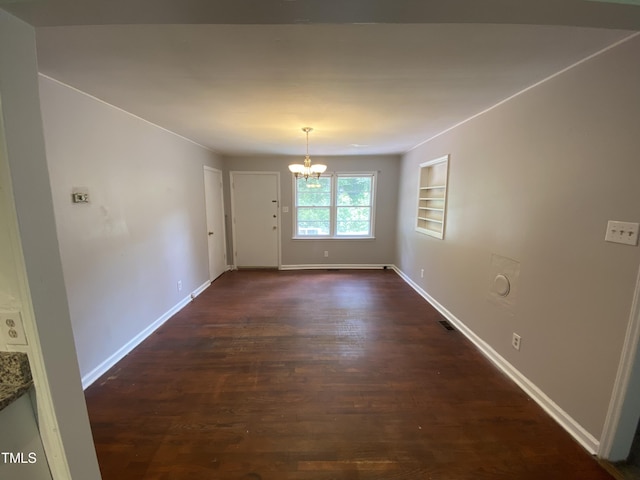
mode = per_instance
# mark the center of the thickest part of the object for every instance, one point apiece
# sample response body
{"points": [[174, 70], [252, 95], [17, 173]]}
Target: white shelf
{"points": [[431, 232], [430, 220], [432, 181]]}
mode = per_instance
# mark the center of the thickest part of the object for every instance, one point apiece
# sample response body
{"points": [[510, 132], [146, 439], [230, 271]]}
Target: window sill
{"points": [[319, 237]]}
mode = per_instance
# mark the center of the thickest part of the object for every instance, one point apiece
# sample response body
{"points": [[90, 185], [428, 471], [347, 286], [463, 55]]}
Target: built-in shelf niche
{"points": [[432, 197]]}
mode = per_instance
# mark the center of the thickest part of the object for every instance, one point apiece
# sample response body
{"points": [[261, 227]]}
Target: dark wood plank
{"points": [[318, 375]]}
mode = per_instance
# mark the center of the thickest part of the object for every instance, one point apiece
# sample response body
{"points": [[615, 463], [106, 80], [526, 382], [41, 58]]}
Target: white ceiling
{"points": [[241, 88]]}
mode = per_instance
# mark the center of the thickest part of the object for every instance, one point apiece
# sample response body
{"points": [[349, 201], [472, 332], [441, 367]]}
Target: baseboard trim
{"points": [[101, 369], [200, 289], [337, 266], [582, 436]]}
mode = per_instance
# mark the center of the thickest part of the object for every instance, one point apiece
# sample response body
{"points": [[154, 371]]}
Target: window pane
{"points": [[313, 221], [354, 191], [353, 221], [313, 192]]}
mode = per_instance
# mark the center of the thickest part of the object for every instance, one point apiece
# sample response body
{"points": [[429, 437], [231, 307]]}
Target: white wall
{"points": [[536, 180], [378, 251], [143, 230], [10, 300], [39, 284]]}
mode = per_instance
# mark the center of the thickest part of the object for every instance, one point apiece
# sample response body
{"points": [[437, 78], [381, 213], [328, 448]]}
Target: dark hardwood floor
{"points": [[319, 375]]}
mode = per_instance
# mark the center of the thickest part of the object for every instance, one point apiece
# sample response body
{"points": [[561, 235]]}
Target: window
{"points": [[339, 205], [313, 206]]}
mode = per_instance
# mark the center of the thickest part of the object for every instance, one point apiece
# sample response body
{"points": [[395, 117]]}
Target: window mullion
{"points": [[334, 204]]}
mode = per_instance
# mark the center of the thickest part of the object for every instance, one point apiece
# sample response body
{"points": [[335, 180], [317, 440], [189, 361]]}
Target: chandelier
{"points": [[307, 170]]}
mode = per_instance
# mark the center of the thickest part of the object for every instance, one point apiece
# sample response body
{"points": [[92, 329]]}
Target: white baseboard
{"points": [[336, 266], [200, 289], [101, 369], [588, 441]]}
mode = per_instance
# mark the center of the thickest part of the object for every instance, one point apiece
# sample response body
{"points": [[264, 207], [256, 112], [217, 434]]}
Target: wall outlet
{"points": [[515, 341], [179, 285], [12, 328], [422, 273], [326, 253], [622, 232]]}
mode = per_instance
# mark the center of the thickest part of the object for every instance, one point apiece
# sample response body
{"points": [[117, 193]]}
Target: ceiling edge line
{"points": [[530, 87], [127, 112]]}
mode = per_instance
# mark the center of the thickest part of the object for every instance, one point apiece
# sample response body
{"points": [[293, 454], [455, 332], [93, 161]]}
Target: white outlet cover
{"points": [[516, 341], [622, 232], [12, 328]]}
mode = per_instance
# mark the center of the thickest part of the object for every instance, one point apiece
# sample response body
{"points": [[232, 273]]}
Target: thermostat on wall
{"points": [[79, 197]]}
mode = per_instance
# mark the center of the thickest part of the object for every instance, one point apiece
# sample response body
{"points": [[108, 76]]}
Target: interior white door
{"points": [[255, 218], [214, 206]]}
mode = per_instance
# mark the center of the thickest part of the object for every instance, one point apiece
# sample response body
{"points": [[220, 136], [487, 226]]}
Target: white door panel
{"points": [[214, 202], [255, 218]]}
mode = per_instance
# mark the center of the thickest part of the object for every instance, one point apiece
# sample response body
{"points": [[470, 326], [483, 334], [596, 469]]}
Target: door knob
{"points": [[275, 228], [274, 216], [210, 233]]}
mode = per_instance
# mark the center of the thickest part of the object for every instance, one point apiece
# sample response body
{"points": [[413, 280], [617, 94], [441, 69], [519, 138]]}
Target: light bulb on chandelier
{"points": [[307, 170]]}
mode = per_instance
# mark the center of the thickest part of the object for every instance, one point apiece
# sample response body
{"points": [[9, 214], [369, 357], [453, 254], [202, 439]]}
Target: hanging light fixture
{"points": [[307, 170]]}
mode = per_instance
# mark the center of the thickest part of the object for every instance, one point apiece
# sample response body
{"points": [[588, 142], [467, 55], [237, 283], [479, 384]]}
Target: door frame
{"points": [[224, 228], [233, 215], [49, 430], [624, 409]]}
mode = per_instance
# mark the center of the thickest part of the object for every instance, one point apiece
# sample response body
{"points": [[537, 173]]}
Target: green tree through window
{"points": [[314, 206]]}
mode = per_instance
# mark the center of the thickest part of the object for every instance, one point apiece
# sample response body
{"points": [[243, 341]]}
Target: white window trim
{"points": [[334, 208]]}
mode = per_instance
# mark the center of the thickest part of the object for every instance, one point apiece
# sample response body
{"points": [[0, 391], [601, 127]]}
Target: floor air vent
{"points": [[446, 325]]}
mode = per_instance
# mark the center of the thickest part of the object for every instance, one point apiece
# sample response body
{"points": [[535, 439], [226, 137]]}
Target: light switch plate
{"points": [[622, 232], [12, 329]]}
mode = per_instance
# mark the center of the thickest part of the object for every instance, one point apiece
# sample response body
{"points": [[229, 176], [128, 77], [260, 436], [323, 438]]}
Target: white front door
{"points": [[254, 205], [214, 205]]}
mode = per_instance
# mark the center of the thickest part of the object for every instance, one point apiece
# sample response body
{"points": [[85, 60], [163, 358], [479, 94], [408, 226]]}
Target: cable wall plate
{"points": [[503, 282]]}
